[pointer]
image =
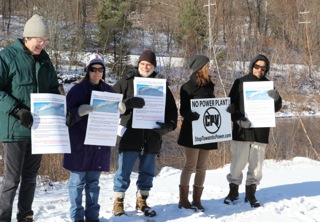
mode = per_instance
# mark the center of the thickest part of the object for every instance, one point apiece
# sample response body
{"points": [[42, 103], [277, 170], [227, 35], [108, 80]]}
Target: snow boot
{"points": [[141, 204], [197, 193], [118, 208], [26, 219], [233, 194], [183, 197], [250, 195]]}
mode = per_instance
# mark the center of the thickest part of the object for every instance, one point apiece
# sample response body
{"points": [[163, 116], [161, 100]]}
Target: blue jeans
{"points": [[89, 181], [126, 163]]}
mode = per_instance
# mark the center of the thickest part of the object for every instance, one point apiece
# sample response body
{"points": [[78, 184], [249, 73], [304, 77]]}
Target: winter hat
{"points": [[95, 59], [257, 58], [148, 56], [196, 62], [36, 27]]}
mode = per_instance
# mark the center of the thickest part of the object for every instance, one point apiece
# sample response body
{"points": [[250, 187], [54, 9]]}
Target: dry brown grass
{"points": [[287, 141]]}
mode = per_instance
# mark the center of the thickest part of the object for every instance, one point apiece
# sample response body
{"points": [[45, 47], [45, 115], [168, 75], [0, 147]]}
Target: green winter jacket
{"points": [[20, 75]]}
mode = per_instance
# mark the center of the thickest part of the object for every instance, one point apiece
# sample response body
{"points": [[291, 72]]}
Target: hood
{"points": [[255, 59]]}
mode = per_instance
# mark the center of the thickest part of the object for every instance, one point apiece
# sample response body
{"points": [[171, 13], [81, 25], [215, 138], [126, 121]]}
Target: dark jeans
{"points": [[19, 165]]}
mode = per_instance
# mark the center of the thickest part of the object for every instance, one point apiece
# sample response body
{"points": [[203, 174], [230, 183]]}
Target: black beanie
{"points": [[148, 56], [197, 62]]}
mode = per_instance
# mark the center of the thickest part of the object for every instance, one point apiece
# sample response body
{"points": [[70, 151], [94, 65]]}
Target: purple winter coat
{"points": [[84, 157]]}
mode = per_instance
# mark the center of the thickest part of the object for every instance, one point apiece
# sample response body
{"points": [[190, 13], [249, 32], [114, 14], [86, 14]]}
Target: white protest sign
{"points": [[258, 105], [214, 123]]}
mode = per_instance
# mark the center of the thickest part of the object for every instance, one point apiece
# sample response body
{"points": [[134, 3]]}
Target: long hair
{"points": [[203, 76]]}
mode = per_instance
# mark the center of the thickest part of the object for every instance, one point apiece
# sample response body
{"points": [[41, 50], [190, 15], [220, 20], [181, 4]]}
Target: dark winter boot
{"points": [[196, 202], [26, 219], [233, 193], [250, 195]]}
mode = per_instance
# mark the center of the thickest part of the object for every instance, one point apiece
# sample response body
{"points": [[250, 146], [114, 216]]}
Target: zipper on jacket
{"points": [[143, 143], [142, 151]]}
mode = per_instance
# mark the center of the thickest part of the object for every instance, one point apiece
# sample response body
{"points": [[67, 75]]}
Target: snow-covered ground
{"points": [[289, 191]]}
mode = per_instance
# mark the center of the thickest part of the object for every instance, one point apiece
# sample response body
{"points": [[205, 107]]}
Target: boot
{"points": [[26, 219], [118, 208], [233, 193], [196, 202], [183, 197], [141, 204], [250, 195]]}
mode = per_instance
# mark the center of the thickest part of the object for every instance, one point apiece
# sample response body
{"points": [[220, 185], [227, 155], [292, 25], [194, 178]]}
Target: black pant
{"points": [[19, 165]]}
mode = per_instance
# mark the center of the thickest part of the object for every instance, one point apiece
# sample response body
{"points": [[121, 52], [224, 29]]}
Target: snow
{"points": [[289, 191]]}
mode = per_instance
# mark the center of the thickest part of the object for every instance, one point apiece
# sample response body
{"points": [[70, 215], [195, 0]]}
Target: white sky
{"points": [[289, 191]]}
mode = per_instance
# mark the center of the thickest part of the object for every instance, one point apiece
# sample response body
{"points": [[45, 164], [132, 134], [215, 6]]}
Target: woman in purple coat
{"points": [[86, 162]]}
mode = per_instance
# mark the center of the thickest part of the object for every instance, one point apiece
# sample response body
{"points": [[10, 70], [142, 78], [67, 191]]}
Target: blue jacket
{"points": [[84, 157]]}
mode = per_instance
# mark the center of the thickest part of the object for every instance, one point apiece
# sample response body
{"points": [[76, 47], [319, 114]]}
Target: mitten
{"points": [[85, 109], [244, 123], [231, 109], [135, 102], [164, 128], [192, 116], [122, 107], [25, 117], [274, 94]]}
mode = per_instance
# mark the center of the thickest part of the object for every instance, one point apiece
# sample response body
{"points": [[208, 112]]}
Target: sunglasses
{"points": [[93, 69], [263, 68]]}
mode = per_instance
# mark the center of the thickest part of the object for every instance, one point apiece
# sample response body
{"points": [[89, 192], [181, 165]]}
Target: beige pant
{"points": [[243, 153], [196, 161]]}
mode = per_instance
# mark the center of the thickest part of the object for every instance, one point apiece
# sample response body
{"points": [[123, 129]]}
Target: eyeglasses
{"points": [[41, 41], [94, 69], [263, 68]]}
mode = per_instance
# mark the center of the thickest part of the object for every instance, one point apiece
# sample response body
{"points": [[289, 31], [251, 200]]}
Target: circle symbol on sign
{"points": [[212, 120]]}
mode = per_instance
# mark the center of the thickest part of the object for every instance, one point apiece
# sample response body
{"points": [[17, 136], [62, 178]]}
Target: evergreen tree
{"points": [[113, 28], [192, 26]]}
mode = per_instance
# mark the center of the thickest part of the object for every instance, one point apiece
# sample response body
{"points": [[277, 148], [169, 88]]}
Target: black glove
{"points": [[192, 116], [25, 117], [70, 119], [164, 128], [274, 94], [135, 102], [244, 123], [231, 109]]}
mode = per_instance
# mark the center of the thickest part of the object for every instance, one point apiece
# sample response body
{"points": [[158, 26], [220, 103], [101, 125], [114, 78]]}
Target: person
{"points": [[142, 144], [86, 162], [249, 143], [199, 86], [25, 67]]}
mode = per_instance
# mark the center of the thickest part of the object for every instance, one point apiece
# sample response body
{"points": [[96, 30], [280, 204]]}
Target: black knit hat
{"points": [[148, 56], [197, 62]]}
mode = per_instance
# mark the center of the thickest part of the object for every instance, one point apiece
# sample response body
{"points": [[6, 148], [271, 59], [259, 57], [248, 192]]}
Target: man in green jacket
{"points": [[25, 68]]}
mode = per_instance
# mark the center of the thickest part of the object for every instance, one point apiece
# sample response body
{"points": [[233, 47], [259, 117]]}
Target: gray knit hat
{"points": [[36, 27], [197, 62]]}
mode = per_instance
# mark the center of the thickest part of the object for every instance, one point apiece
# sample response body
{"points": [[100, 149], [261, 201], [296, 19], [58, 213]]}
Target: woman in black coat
{"points": [[199, 86]]}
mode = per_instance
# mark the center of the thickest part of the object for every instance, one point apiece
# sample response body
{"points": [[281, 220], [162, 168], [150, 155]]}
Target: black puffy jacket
{"points": [[260, 135], [141, 139]]}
